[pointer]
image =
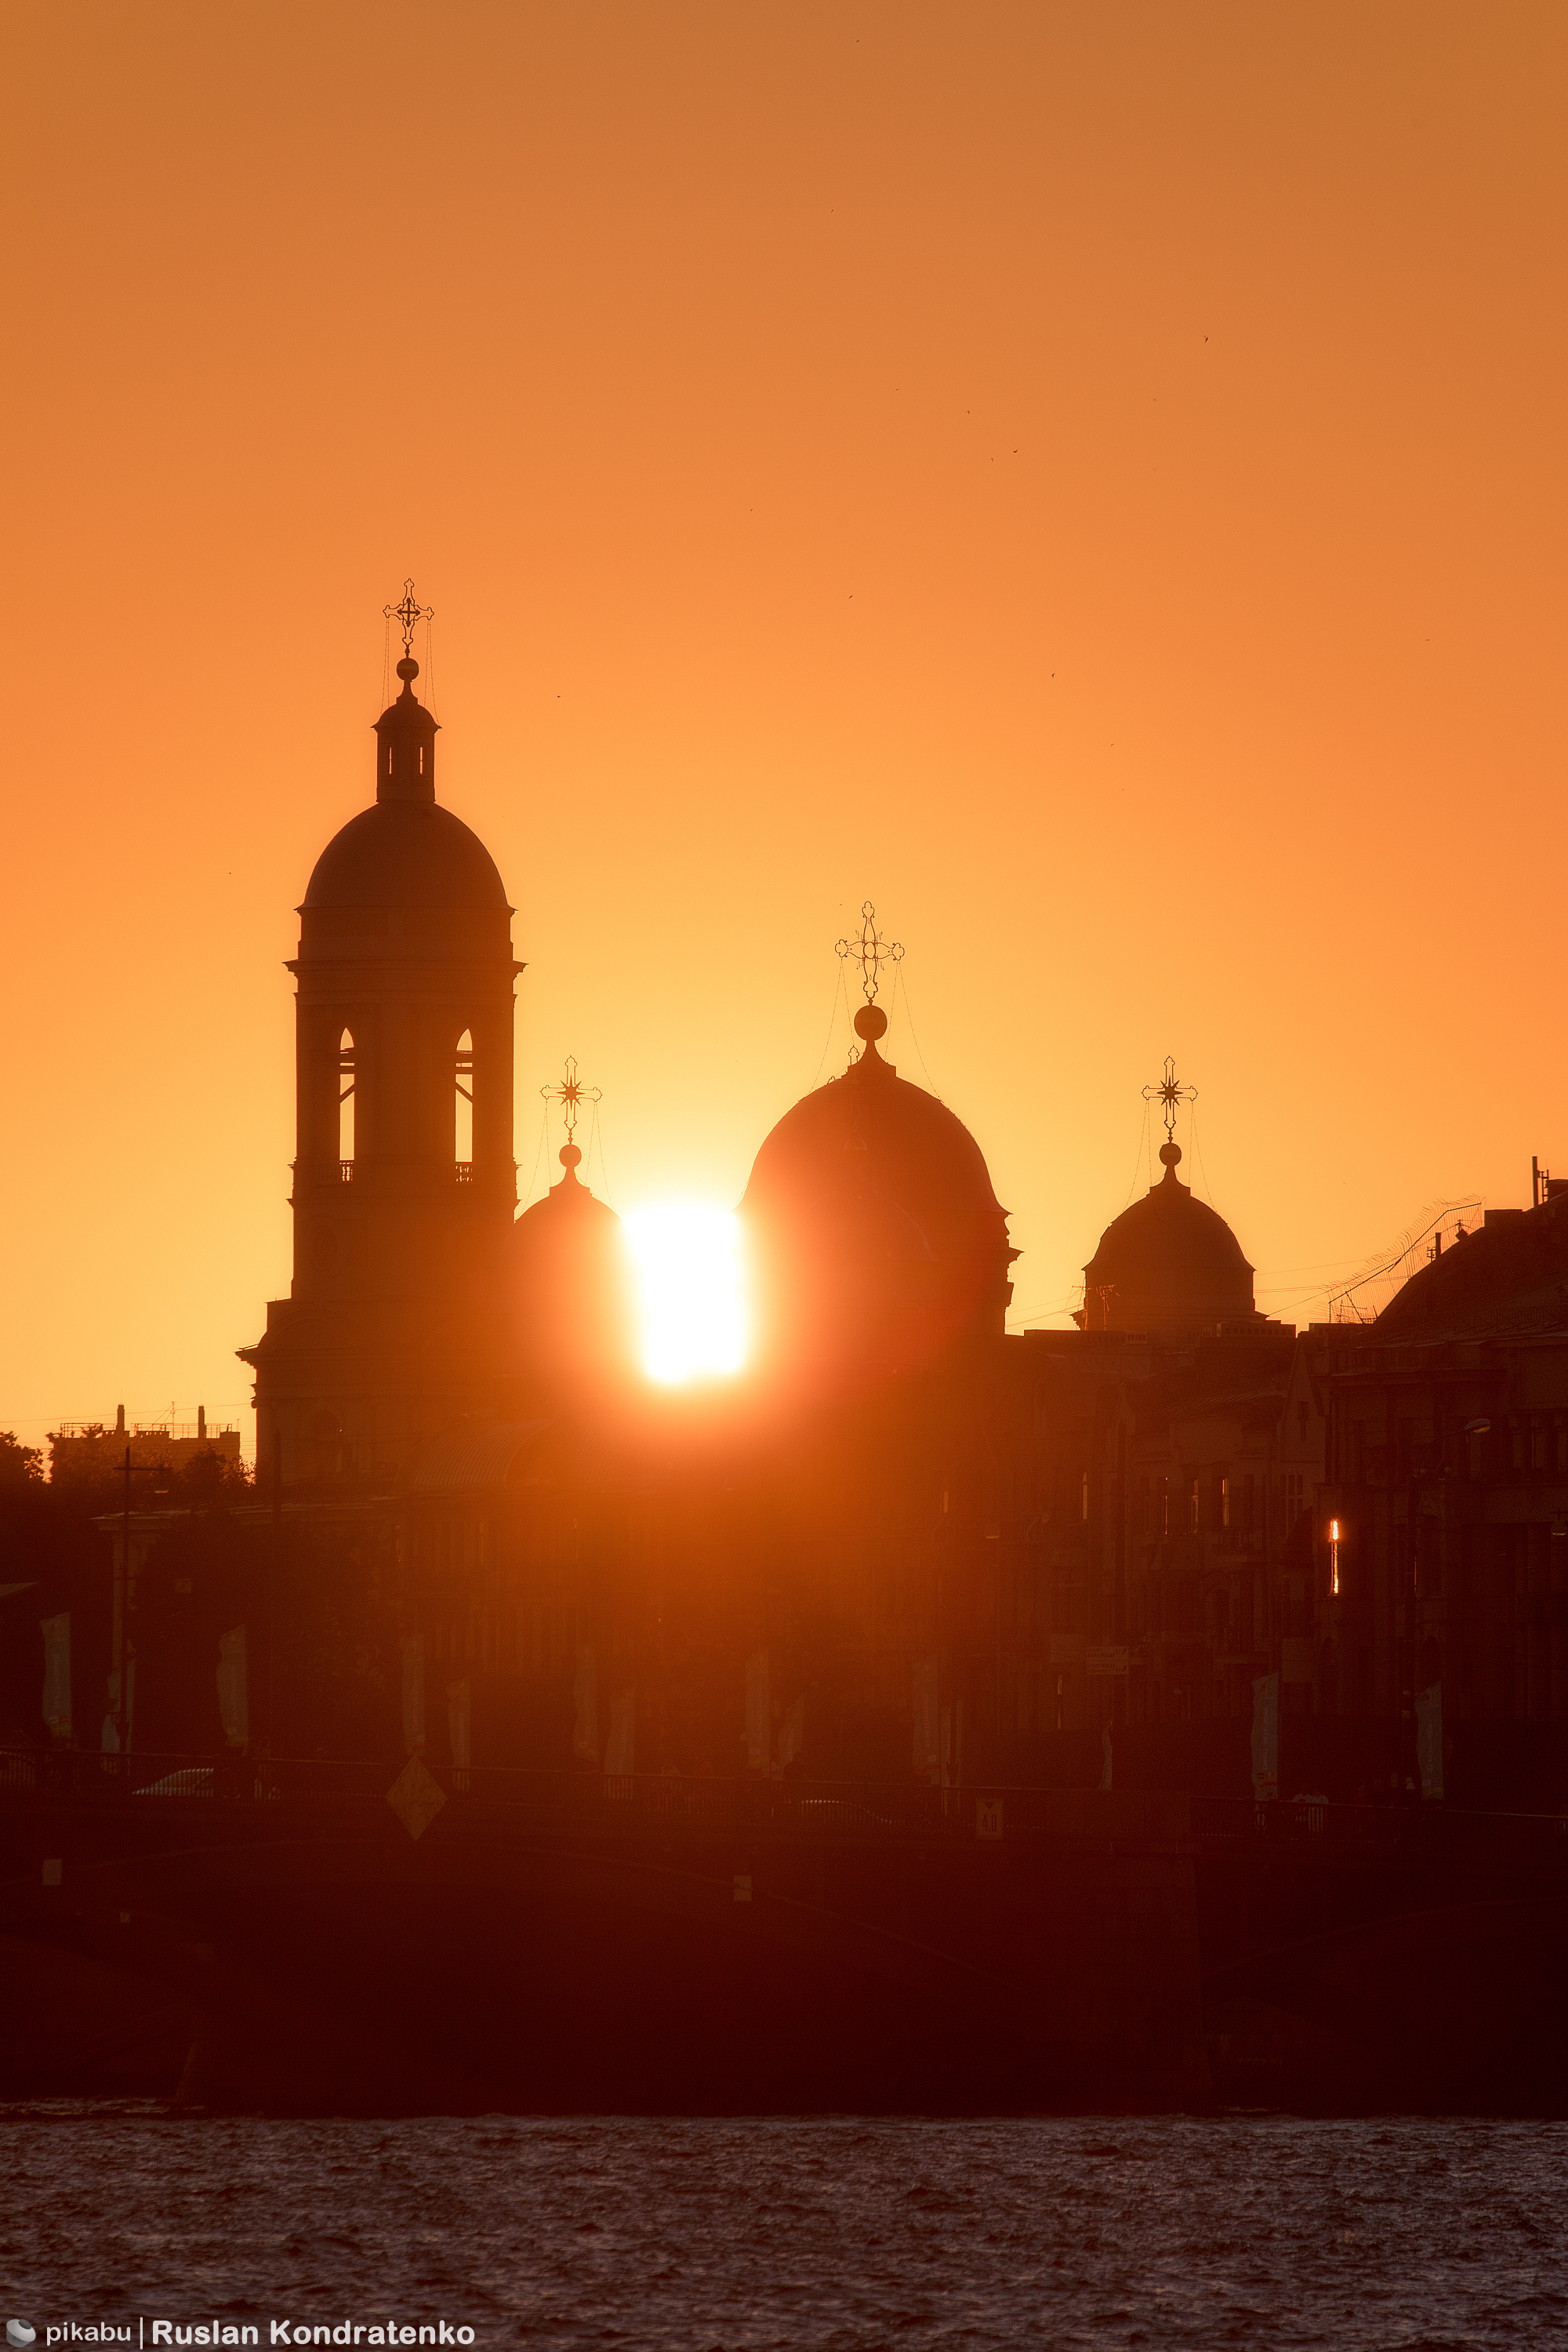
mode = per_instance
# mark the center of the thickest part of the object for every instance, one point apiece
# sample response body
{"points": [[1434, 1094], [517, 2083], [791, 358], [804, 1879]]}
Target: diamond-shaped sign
{"points": [[416, 1796]]}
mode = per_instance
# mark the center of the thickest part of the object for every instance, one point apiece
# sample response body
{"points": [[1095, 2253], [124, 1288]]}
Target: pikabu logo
{"points": [[19, 2335]]}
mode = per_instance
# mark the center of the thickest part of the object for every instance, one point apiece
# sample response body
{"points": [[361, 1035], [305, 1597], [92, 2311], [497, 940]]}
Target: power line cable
{"points": [[544, 1133], [1198, 1151], [1138, 1162], [838, 990], [596, 1135], [900, 985]]}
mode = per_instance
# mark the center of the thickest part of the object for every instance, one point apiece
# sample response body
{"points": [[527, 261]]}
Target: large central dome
{"points": [[870, 1221]]}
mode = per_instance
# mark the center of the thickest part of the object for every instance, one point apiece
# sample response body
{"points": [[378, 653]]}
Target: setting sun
{"points": [[691, 1303]]}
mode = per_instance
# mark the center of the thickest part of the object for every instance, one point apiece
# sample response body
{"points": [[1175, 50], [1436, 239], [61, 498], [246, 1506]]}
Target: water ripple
{"points": [[837, 2235]]}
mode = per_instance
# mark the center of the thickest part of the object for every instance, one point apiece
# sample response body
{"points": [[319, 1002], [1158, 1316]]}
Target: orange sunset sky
{"points": [[1089, 478]]}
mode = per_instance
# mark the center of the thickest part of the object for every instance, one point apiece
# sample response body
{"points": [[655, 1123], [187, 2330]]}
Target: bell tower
{"points": [[405, 1185]]}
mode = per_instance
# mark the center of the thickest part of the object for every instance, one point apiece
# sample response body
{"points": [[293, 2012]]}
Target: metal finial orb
{"points": [[408, 668], [870, 1023], [1170, 1153], [569, 1155]]}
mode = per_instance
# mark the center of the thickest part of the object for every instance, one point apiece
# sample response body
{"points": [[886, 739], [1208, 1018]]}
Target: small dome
{"points": [[569, 1287], [404, 854], [568, 1209], [1169, 1264]]}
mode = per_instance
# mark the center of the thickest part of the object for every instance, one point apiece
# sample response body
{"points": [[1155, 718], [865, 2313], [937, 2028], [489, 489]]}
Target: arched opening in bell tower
{"points": [[346, 1104], [463, 1101]]}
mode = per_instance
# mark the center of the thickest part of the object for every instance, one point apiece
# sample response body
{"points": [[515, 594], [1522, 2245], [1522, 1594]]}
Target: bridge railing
{"points": [[1342, 1832], [498, 1800], [83, 1775], [644, 1804]]}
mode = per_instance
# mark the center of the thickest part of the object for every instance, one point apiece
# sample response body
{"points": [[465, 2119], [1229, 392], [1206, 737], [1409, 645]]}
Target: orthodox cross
{"points": [[571, 1094], [870, 950], [1170, 1094], [408, 615]]}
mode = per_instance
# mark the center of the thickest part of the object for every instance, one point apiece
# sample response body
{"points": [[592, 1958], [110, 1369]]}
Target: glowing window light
{"points": [[1334, 1556], [691, 1292]]}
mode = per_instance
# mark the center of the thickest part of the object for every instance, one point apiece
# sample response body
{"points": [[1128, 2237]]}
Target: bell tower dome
{"points": [[405, 1183]]}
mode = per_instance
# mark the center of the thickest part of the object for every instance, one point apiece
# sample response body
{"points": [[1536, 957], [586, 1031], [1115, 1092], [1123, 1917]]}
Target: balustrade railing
{"points": [[492, 1799], [348, 1171]]}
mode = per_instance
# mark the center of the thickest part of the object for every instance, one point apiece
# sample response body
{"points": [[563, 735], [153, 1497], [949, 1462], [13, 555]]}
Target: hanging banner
{"points": [[1298, 1659], [459, 1722], [791, 1734], [234, 1687], [927, 1748], [414, 1695], [953, 1724], [1266, 1738], [57, 1634], [620, 1755], [1429, 1738], [759, 1719], [585, 1704]]}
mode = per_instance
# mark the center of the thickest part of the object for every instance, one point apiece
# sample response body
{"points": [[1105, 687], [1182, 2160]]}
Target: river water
{"points": [[837, 2235]]}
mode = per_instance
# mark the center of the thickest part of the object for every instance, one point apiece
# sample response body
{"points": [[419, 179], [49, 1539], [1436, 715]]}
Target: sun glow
{"points": [[693, 1325]]}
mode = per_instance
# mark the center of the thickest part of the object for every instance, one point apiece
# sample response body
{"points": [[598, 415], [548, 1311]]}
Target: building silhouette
{"points": [[904, 1541], [1441, 1615]]}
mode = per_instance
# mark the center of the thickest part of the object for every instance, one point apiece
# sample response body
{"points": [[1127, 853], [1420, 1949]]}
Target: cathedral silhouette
{"points": [[1180, 1545], [900, 1540]]}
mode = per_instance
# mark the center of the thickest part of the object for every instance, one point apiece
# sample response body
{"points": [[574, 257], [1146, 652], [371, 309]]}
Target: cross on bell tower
{"points": [[408, 615]]}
